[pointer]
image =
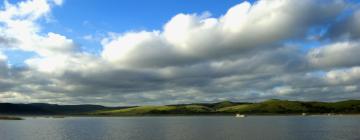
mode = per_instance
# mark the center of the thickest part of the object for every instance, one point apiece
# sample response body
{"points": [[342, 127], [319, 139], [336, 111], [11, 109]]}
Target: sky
{"points": [[128, 52]]}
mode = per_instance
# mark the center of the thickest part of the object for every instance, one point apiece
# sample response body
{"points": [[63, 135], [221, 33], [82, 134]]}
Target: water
{"points": [[184, 128]]}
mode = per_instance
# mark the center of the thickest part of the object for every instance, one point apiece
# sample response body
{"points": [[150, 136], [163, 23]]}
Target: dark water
{"points": [[184, 128]]}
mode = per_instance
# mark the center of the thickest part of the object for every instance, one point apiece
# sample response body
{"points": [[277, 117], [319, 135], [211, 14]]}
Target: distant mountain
{"points": [[273, 106], [47, 109]]}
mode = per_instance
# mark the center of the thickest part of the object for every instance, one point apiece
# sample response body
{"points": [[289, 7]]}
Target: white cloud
{"points": [[2, 57], [343, 76], [20, 24], [58, 2], [54, 44], [29, 10], [189, 38], [14, 97], [59, 63], [338, 54], [130, 46], [88, 37], [284, 90], [351, 88]]}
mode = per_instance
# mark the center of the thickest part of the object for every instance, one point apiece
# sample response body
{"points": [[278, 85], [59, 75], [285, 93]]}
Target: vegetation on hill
{"points": [[267, 107], [221, 108], [154, 110]]}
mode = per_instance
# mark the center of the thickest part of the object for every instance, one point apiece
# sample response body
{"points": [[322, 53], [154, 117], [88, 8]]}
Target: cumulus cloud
{"points": [[336, 55], [190, 38], [243, 55], [19, 27]]}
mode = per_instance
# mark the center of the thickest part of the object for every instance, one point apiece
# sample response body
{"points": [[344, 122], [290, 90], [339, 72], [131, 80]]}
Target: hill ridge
{"points": [[272, 106]]}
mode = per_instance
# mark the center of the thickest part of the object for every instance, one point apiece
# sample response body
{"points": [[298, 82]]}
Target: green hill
{"points": [[156, 110], [267, 107], [273, 106], [223, 104]]}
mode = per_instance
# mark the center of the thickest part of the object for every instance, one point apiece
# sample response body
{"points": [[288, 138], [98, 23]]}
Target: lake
{"points": [[183, 128]]}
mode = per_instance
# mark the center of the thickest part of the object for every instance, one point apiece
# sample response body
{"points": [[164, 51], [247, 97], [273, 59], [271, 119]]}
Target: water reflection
{"points": [[182, 128]]}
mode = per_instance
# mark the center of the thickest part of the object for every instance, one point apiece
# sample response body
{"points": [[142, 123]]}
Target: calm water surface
{"points": [[184, 128]]}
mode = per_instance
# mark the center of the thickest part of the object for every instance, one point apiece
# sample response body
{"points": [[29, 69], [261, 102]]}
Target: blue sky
{"points": [[79, 18]]}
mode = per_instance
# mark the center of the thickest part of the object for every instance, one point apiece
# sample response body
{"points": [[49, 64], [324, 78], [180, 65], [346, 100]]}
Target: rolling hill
{"points": [[272, 106], [223, 108]]}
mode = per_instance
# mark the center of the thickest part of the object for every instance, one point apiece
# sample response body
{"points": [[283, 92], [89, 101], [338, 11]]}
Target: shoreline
{"points": [[172, 115], [10, 118]]}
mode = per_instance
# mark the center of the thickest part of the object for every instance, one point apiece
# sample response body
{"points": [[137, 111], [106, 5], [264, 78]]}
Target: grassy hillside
{"points": [[267, 107], [154, 110], [221, 108]]}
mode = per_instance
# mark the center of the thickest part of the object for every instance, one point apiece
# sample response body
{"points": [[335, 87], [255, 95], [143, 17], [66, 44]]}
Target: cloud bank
{"points": [[247, 54]]}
